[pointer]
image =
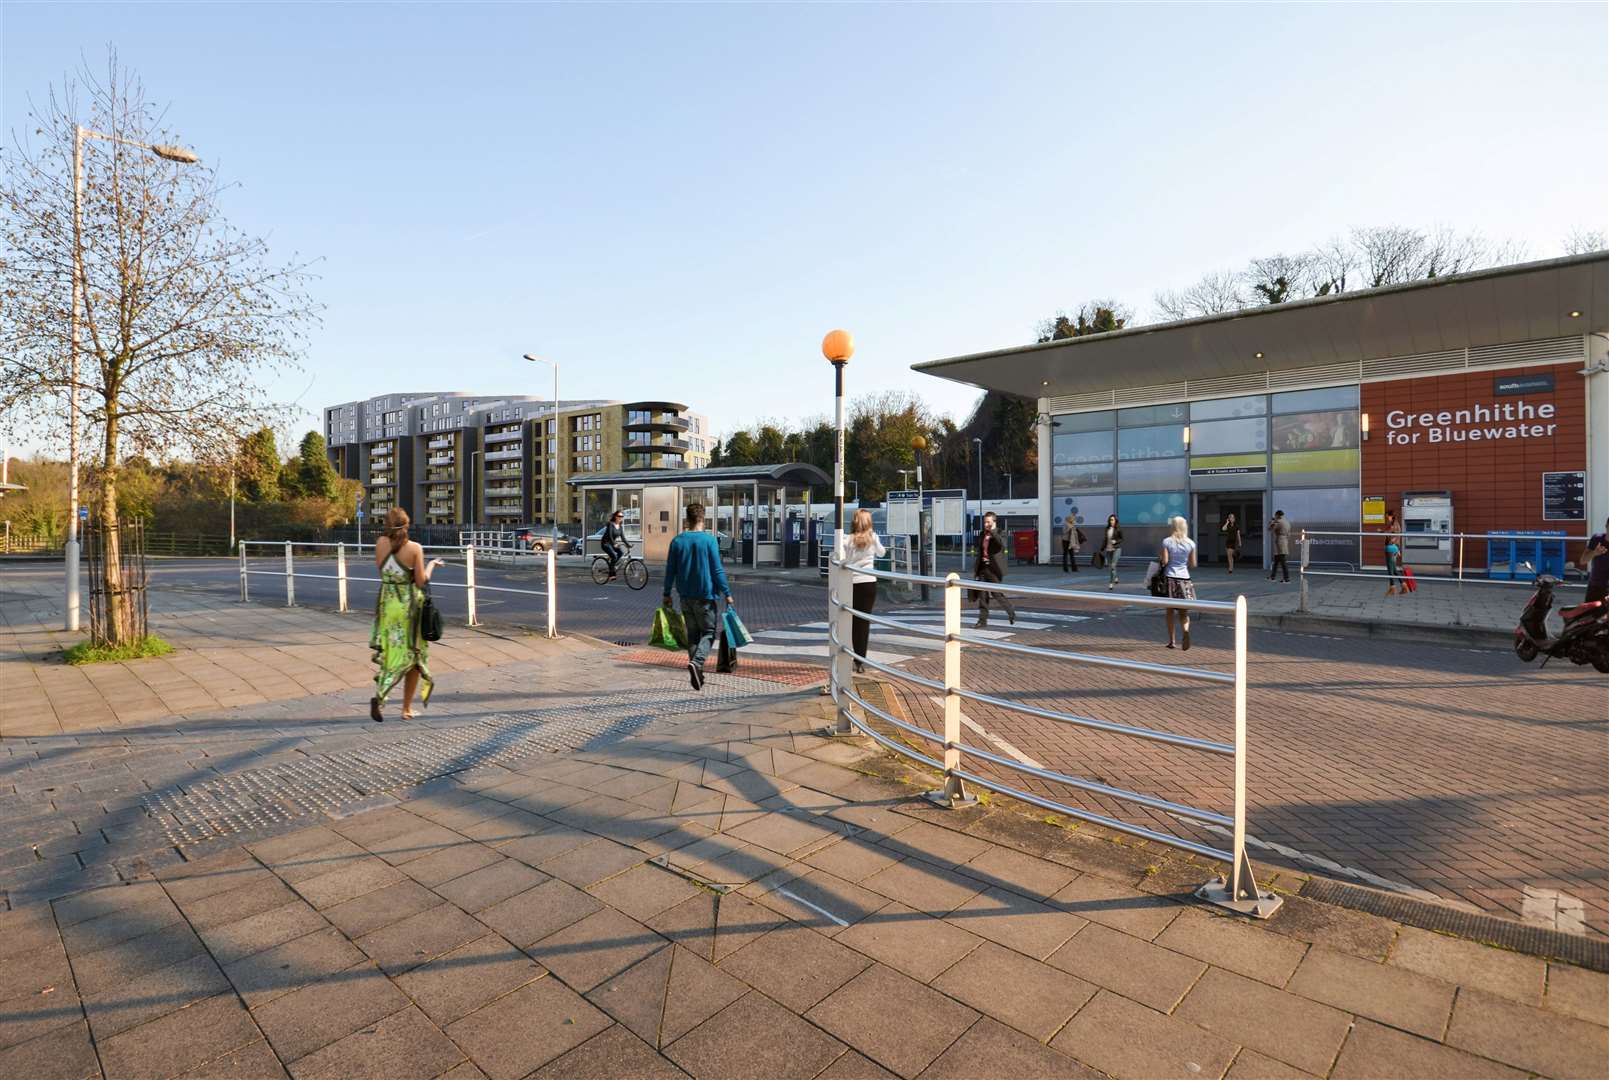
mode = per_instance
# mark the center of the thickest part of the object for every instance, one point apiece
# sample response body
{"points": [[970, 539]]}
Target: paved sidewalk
{"points": [[700, 886]]}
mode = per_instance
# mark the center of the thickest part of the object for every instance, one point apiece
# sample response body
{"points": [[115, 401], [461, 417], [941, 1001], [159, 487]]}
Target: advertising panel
{"points": [[1084, 509], [1096, 477], [1336, 430], [1316, 467]]}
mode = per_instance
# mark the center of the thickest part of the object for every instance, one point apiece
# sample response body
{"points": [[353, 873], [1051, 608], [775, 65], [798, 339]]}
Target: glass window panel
{"points": [[1095, 476], [1324, 510], [1164, 474], [1316, 431], [1084, 508], [1229, 408], [1150, 509], [1146, 415], [1081, 448], [1331, 397], [1134, 444], [1314, 467], [1229, 436], [1088, 421]]}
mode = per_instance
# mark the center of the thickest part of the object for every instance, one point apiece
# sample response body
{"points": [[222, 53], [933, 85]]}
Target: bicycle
{"points": [[633, 568]]}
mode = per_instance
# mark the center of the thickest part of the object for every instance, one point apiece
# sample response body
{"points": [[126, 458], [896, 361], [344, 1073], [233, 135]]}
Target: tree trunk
{"points": [[119, 627]]}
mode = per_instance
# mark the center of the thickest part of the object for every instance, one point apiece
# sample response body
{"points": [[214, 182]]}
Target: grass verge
{"points": [[87, 652]]}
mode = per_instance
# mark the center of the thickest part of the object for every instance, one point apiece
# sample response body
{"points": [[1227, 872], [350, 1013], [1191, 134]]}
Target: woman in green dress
{"points": [[400, 651]]}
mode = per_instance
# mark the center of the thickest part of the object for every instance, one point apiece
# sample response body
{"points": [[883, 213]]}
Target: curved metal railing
{"points": [[1237, 889]]}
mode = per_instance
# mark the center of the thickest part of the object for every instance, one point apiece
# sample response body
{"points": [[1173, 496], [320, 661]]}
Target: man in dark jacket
{"points": [[991, 566], [693, 568], [615, 544]]}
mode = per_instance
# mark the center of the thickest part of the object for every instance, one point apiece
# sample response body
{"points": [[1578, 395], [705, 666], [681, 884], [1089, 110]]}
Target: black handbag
{"points": [[429, 619]]}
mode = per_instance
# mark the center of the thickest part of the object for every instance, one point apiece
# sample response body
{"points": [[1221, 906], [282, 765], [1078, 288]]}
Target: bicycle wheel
{"points": [[600, 570], [636, 574]]}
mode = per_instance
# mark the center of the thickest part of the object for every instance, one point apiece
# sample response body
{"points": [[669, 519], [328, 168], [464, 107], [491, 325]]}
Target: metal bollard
{"points": [[953, 794], [553, 592], [469, 591], [1301, 601], [340, 576], [841, 589], [290, 576], [243, 596]]}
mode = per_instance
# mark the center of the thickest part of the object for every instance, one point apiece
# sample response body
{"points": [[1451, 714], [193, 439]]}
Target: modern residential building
{"points": [[1471, 403], [453, 458]]}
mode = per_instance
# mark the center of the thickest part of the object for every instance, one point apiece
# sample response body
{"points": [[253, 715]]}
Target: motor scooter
{"points": [[1584, 639]]}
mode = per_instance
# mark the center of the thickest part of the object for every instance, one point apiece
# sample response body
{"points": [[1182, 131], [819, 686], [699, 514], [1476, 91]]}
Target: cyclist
{"points": [[615, 544]]}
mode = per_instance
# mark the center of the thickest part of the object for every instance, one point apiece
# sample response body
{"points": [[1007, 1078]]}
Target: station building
{"points": [[1471, 403]]}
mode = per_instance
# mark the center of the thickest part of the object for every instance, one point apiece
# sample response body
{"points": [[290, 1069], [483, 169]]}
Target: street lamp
{"points": [[904, 475], [167, 153], [838, 346], [918, 444], [553, 459], [1009, 490], [977, 445]]}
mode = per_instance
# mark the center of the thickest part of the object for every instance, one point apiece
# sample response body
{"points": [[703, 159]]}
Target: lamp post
{"points": [[838, 346], [553, 459], [168, 153], [1009, 488], [918, 444]]}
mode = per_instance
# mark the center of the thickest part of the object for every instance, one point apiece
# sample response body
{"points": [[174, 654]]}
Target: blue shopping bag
{"points": [[736, 633]]}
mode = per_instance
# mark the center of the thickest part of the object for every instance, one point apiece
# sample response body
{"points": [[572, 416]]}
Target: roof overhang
{"points": [[1525, 302]]}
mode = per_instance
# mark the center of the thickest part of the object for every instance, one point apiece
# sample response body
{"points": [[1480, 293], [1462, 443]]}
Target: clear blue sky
{"points": [[677, 202]]}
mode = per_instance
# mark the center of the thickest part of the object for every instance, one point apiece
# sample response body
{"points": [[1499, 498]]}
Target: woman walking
{"points": [[1394, 556], [861, 549], [399, 647], [1112, 549], [991, 567], [1231, 534], [1177, 556]]}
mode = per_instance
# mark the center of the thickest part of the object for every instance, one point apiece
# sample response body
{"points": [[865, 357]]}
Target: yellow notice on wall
{"points": [[1374, 510]]}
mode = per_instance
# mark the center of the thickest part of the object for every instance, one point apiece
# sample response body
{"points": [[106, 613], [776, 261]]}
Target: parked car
{"points": [[539, 540]]}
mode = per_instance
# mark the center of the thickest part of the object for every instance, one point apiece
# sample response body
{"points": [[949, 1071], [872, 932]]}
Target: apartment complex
{"points": [[452, 458]]}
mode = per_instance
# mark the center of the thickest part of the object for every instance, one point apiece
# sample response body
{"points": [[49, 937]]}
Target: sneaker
{"points": [[695, 675], [1186, 642], [1110, 585]]}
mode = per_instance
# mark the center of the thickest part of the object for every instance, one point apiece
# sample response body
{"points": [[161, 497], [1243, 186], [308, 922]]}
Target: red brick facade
{"points": [[1495, 470]]}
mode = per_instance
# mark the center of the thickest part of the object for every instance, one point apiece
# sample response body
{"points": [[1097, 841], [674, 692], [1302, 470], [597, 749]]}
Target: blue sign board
{"points": [[83, 513]]}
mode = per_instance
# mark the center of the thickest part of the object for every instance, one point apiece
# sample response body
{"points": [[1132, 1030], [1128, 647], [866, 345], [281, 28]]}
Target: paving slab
{"points": [[753, 1037], [613, 1055], [1025, 994], [1374, 1049], [537, 913], [795, 966], [457, 983], [1284, 1026], [1136, 969], [1232, 943], [179, 1041], [911, 942], [596, 948], [314, 1016], [859, 1012], [1131, 1042], [418, 939], [402, 1046], [992, 1049], [1506, 974], [550, 1017], [64, 1053], [1391, 995], [1527, 1038]]}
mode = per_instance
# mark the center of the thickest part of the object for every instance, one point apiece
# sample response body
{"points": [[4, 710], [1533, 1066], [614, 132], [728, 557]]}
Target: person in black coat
{"points": [[991, 566]]}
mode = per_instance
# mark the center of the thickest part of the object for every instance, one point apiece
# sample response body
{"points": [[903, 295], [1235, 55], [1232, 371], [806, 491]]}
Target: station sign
{"points": [[1564, 496]]}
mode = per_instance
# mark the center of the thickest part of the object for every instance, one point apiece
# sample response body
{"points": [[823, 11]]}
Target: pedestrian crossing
{"points": [[808, 641]]}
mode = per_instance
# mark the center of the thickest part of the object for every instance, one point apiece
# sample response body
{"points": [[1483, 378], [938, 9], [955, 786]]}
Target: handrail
{"points": [[342, 578], [1237, 889]]}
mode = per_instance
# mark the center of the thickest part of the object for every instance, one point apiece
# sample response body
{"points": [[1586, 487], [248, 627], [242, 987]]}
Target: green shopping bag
{"points": [[669, 629]]}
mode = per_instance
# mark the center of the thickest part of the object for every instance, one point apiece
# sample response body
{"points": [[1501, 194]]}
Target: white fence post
{"points": [[842, 664], [340, 576], [553, 592], [242, 550], [1239, 892], [290, 576], [469, 590], [1301, 585], [953, 794]]}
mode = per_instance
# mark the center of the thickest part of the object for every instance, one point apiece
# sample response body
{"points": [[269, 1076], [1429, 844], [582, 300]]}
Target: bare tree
{"points": [[183, 315], [1274, 279], [1214, 294], [1581, 241], [1332, 263]]}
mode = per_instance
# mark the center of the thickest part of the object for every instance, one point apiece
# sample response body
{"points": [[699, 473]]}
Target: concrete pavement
{"points": [[697, 886]]}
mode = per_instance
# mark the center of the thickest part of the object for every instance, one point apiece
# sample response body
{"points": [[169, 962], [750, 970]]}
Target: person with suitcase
{"points": [[693, 568]]}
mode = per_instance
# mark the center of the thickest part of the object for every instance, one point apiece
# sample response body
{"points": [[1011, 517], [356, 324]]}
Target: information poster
{"points": [[1374, 510], [1564, 496]]}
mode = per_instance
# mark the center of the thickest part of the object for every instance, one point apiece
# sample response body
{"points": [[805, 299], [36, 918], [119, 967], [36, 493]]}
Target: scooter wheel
{"points": [[1601, 663], [1525, 650]]}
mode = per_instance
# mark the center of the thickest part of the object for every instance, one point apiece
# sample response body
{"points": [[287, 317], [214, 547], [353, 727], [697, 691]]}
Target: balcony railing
{"points": [[504, 511], [439, 459], [657, 422], [667, 445], [648, 461], [502, 436], [506, 489], [435, 476], [513, 453], [441, 442]]}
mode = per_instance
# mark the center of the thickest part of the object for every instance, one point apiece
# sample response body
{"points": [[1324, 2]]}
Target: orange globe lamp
{"points": [[918, 443], [838, 346]]}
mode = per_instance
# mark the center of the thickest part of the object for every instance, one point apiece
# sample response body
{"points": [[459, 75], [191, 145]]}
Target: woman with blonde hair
{"points": [[396, 637], [1177, 556], [861, 550]]}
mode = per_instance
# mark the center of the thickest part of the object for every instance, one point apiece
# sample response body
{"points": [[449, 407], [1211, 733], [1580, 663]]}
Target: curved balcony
{"points": [[657, 422], [650, 463]]}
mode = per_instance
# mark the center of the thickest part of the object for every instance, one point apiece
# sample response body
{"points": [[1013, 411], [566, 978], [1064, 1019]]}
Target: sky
{"points": [[677, 202]]}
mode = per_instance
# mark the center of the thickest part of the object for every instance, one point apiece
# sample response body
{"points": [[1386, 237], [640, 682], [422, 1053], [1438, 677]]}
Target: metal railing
{"points": [[1457, 575], [342, 578], [1237, 890]]}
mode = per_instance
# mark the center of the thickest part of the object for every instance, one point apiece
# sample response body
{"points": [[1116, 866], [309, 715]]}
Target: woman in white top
{"points": [[1177, 556], [861, 548]]}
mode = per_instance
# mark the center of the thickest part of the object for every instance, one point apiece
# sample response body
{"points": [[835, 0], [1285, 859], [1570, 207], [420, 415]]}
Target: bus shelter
{"points": [[760, 514]]}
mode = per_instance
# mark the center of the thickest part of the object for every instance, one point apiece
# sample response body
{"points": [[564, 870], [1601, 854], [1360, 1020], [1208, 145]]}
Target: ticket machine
{"points": [[1427, 518]]}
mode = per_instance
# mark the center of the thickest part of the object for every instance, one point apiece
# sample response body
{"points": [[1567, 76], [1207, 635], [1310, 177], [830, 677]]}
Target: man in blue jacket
{"points": [[693, 568]]}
